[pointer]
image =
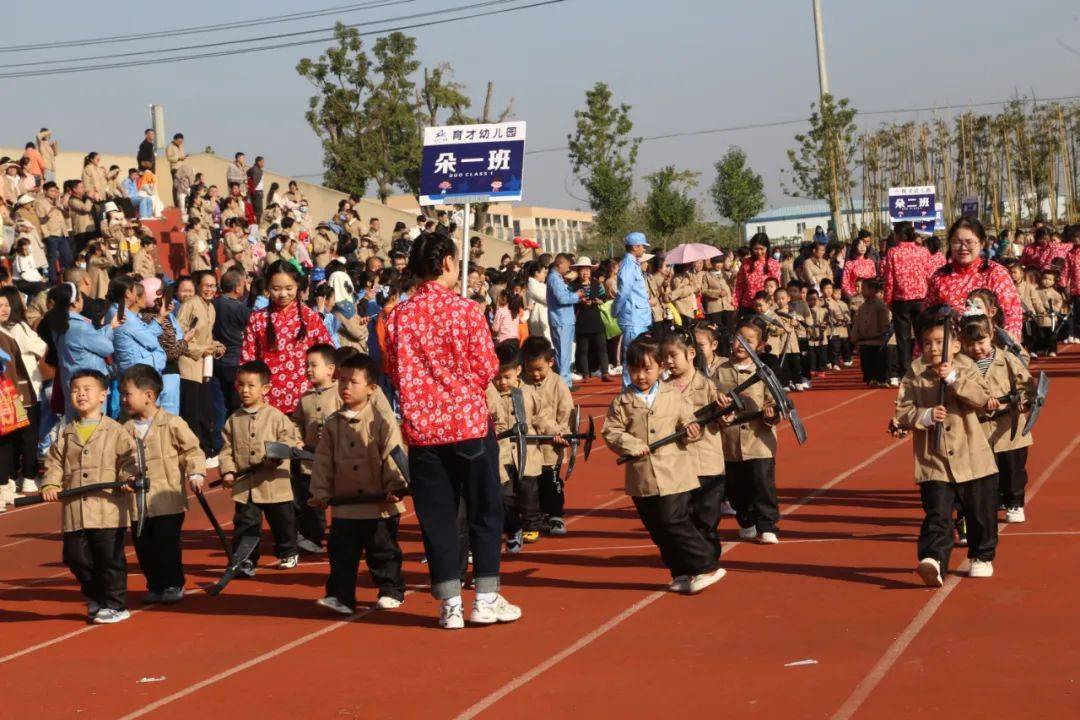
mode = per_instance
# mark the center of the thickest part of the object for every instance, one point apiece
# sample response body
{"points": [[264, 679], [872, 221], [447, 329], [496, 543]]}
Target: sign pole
{"points": [[465, 250]]}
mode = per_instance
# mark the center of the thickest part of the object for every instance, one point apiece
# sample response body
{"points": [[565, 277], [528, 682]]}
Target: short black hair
{"points": [[537, 347], [509, 355], [230, 280], [364, 363], [89, 373], [255, 367], [644, 346], [343, 353], [825, 282], [326, 350], [143, 377]]}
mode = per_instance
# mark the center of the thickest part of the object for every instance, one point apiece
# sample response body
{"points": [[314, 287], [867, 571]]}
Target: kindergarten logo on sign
{"points": [[472, 163]]}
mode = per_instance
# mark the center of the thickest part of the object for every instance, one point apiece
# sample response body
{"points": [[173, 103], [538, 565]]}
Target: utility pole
{"points": [[830, 141]]}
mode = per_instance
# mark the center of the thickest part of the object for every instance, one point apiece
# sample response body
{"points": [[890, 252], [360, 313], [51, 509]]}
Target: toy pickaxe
{"points": [[1041, 390], [520, 429], [939, 428], [575, 438]]}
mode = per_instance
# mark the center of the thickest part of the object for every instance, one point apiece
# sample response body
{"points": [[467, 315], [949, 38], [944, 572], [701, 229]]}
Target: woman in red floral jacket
{"points": [[281, 334], [754, 271]]}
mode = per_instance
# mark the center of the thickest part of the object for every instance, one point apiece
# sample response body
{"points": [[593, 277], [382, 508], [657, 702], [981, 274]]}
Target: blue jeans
{"points": [[562, 339], [58, 249], [629, 332]]}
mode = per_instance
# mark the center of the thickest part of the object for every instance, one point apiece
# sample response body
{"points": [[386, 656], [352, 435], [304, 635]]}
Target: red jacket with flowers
{"points": [[952, 284], [751, 280], [440, 357], [1072, 272], [286, 358], [904, 271], [856, 269]]}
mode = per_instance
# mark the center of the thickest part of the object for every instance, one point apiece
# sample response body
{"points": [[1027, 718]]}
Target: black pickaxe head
{"points": [[575, 421], [774, 387], [521, 428], [1007, 342], [282, 451], [590, 437], [1041, 390]]}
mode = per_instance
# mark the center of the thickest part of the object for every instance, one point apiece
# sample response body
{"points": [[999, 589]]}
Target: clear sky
{"points": [[682, 65]]}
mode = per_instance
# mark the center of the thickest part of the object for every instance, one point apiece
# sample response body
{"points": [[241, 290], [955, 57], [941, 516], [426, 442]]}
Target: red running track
{"points": [[831, 623]]}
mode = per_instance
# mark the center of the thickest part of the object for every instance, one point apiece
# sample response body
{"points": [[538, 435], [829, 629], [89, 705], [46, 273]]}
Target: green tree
{"points": [[669, 207], [737, 190], [821, 168], [602, 155]]}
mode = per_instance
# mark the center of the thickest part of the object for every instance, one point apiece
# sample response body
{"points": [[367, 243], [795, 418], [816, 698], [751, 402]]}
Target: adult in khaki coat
{"points": [[95, 179], [48, 147], [196, 318], [50, 213], [816, 267]]}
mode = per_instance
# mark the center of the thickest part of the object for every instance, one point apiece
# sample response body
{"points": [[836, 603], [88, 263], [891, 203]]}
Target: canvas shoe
{"points": [[29, 485], [308, 546], [681, 584], [747, 533], [726, 509], [493, 611], [981, 569], [704, 580], [108, 616], [530, 536], [7, 493], [451, 615], [894, 382], [1015, 515], [172, 595], [385, 602], [929, 570], [246, 569], [332, 603], [556, 526], [212, 462], [287, 563], [769, 538]]}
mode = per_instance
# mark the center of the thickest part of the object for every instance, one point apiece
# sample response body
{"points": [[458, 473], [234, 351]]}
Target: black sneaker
{"points": [[246, 569]]}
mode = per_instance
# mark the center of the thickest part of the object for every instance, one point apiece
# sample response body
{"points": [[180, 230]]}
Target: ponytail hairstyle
{"points": [[711, 331], [904, 231], [284, 267], [118, 290], [62, 297], [89, 158], [682, 338]]}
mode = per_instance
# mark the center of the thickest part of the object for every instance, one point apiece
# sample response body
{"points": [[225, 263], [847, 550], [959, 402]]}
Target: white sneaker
{"points": [[92, 609], [385, 602], [614, 369], [575, 377], [172, 595], [747, 533], [332, 603], [515, 542], [556, 526], [493, 611], [849, 363], [7, 493], [1015, 515], [287, 563], [700, 582], [894, 382], [452, 615], [212, 462], [929, 570], [28, 486], [108, 616], [1053, 354], [726, 509], [769, 538], [680, 584], [981, 569], [246, 569], [308, 546]]}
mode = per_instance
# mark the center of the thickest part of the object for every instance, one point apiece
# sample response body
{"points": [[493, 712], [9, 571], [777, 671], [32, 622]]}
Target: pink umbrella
{"points": [[691, 252]]}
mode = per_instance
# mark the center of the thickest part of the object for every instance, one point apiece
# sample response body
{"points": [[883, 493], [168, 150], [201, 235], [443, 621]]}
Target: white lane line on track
{"points": [[882, 667]]}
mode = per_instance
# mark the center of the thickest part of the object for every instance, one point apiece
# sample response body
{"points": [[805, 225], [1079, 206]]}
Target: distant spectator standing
{"points": [[48, 148], [177, 156], [50, 214], [255, 186], [35, 164], [146, 156], [236, 173]]}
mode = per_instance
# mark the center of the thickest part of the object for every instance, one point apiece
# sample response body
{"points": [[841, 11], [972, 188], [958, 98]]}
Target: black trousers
{"points": [[892, 362], [247, 521], [792, 367], [751, 489], [979, 499], [377, 541], [591, 346], [839, 350], [511, 517], [820, 357], [158, 551], [873, 364], [443, 475], [668, 518], [197, 409], [1012, 476], [552, 497], [521, 503], [96, 559], [725, 321], [806, 357], [226, 377], [904, 314], [705, 508], [310, 522], [1046, 340], [257, 204]]}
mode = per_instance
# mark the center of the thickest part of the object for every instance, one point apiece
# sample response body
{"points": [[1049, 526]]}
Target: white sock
{"points": [[454, 601], [486, 597]]}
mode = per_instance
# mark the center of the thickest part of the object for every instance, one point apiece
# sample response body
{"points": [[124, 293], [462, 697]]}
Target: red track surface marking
{"points": [[893, 653]]}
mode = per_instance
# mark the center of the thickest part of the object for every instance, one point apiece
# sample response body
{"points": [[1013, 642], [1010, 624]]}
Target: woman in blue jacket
{"points": [[136, 341], [78, 343]]}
